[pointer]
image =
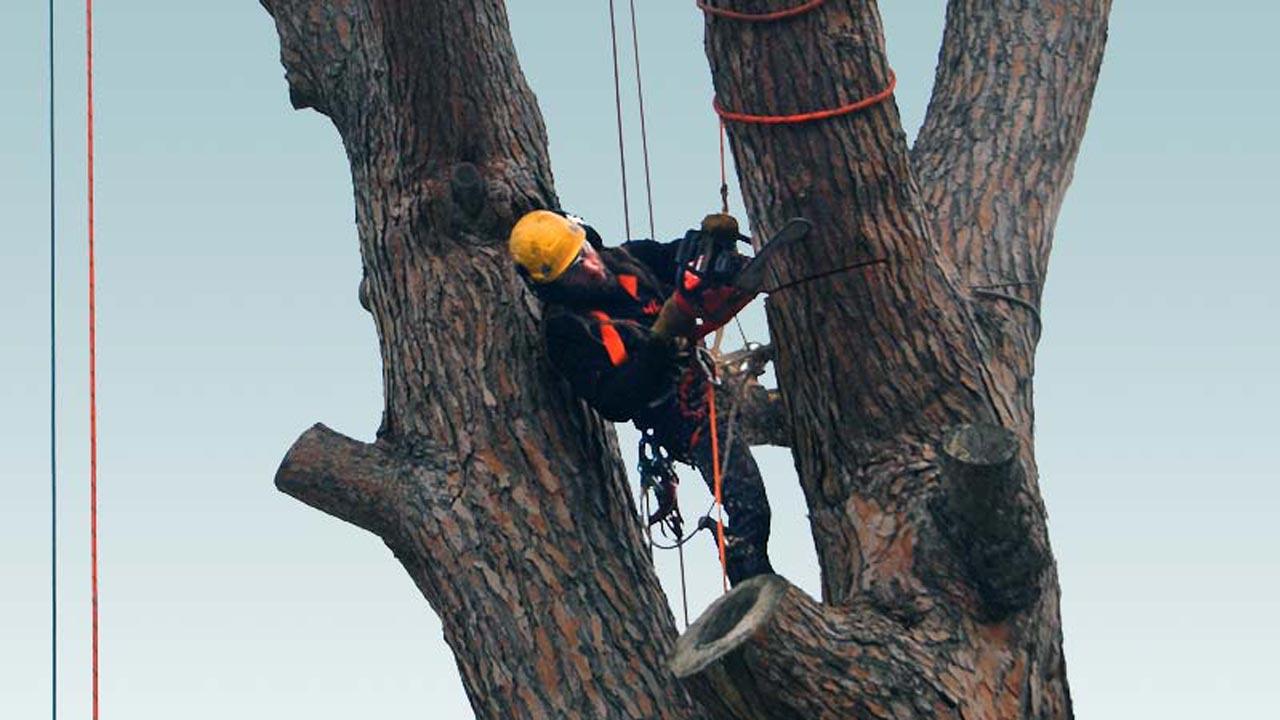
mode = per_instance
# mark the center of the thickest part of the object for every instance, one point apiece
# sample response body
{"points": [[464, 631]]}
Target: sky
{"points": [[228, 323]]}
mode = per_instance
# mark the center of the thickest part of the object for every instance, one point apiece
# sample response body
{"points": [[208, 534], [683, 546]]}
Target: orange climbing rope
{"points": [[719, 485], [93, 367], [804, 117], [759, 17]]}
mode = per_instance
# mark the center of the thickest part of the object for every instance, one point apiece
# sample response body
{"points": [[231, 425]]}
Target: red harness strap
{"points": [[611, 339], [631, 284]]}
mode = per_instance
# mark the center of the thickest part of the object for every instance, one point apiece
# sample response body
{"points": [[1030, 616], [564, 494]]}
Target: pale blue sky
{"points": [[229, 323]]}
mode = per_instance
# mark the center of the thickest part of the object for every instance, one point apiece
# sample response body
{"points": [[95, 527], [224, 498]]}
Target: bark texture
{"points": [[905, 382], [933, 332]]}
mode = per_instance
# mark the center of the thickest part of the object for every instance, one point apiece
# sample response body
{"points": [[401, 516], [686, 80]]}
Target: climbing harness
{"points": [[658, 475], [657, 466]]}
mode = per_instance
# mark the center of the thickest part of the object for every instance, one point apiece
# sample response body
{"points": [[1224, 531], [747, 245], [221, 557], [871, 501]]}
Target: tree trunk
{"points": [[905, 381]]}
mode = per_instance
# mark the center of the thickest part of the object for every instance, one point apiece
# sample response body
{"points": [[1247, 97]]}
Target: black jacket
{"points": [[601, 340]]}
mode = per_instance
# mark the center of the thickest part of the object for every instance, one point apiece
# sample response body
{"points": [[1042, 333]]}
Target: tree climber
{"points": [[619, 329]]}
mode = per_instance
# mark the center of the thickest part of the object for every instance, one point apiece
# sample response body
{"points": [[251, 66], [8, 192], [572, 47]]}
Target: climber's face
{"points": [[587, 270]]}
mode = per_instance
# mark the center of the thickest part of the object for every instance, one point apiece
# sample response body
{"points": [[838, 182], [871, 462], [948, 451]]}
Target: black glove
{"points": [[653, 368], [669, 356]]}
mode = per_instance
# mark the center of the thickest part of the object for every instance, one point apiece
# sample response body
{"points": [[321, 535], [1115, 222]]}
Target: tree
{"points": [[904, 356]]}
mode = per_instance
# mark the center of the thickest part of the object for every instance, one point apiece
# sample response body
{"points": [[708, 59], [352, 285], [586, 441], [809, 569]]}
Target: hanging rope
{"points": [[718, 464], [718, 477], [684, 586], [724, 175], [617, 103], [644, 135], [648, 189], [759, 17], [53, 388], [644, 510], [93, 365]]}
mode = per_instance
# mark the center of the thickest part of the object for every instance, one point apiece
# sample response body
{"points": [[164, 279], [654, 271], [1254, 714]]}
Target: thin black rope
{"points": [[617, 101], [743, 333], [53, 392], [825, 273], [644, 135], [684, 587]]}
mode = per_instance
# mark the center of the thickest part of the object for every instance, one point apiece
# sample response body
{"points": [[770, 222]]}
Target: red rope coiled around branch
{"points": [[759, 17], [792, 119]]}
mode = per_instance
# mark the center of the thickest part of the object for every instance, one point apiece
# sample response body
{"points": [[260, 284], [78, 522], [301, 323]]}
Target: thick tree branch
{"points": [[994, 157], [767, 651], [982, 511], [358, 482]]}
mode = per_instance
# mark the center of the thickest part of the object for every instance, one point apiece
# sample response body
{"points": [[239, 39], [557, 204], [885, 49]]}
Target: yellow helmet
{"points": [[545, 243]]}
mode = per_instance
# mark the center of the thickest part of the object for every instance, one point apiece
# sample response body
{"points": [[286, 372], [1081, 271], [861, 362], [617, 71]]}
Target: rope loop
{"points": [[804, 117], [764, 17]]}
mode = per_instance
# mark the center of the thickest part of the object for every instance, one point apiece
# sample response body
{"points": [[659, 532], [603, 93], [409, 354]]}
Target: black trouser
{"points": [[682, 425]]}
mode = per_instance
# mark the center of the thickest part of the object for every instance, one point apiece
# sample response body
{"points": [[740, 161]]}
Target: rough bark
{"points": [[878, 363], [994, 159], [499, 493], [905, 382]]}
